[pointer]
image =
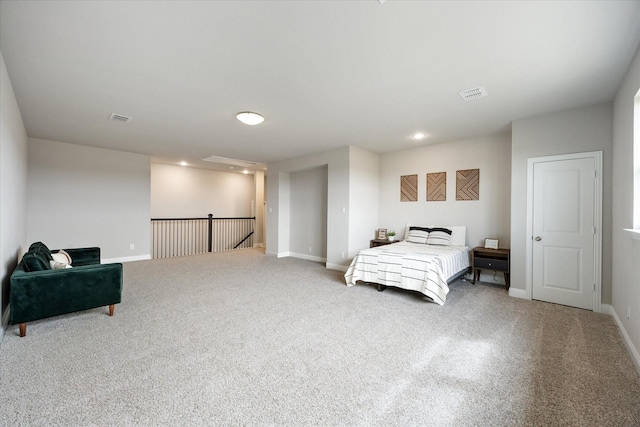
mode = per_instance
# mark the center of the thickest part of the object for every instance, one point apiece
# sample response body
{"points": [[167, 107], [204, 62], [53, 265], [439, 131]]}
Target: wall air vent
{"points": [[119, 117], [477, 92]]}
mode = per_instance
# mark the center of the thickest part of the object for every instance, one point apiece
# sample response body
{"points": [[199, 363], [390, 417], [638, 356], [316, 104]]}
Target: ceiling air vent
{"points": [[477, 92], [229, 161], [119, 117]]}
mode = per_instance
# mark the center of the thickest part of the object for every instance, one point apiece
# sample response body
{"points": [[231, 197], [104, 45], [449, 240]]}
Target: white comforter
{"points": [[417, 267]]}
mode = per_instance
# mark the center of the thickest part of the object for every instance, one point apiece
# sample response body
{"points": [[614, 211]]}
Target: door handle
{"points": [[538, 238]]}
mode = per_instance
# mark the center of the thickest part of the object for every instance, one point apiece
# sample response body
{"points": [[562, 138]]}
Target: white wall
{"points": [[259, 201], [625, 250], [487, 217], [279, 204], [13, 187], [80, 196], [364, 196], [339, 212], [574, 131], [308, 215], [184, 192]]}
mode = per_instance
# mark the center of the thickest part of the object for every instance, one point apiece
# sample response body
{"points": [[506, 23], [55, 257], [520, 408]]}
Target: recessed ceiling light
{"points": [[418, 135], [183, 163], [250, 118], [245, 171]]}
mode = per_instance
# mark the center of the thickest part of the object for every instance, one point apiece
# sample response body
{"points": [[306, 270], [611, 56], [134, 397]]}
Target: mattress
{"points": [[411, 266]]}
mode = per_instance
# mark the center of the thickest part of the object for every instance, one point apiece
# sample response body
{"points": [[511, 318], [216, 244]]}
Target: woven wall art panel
{"points": [[468, 184], [409, 188], [437, 187]]}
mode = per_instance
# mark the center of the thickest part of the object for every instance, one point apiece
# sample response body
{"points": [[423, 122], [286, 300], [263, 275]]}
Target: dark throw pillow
{"points": [[33, 262]]}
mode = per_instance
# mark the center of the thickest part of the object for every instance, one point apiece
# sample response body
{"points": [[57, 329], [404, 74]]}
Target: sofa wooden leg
{"points": [[111, 308], [23, 329]]}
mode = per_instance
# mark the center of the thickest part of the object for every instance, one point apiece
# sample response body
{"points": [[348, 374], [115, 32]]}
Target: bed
{"points": [[418, 263]]}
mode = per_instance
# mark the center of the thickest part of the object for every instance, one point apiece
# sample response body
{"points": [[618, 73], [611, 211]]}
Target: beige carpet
{"points": [[239, 338]]}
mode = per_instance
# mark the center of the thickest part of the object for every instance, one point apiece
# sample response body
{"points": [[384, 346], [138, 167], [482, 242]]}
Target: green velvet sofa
{"points": [[37, 291]]}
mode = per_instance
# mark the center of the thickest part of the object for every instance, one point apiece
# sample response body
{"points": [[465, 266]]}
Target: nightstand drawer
{"points": [[491, 263]]}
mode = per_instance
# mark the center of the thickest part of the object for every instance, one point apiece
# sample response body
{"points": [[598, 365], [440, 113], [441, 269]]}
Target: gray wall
{"points": [[80, 196], [184, 192], [574, 131], [487, 217], [625, 250], [364, 197], [339, 210], [260, 184], [308, 216], [13, 186]]}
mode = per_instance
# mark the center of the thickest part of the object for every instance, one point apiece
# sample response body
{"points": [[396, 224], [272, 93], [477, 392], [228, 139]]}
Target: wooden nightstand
{"points": [[378, 242], [490, 259]]}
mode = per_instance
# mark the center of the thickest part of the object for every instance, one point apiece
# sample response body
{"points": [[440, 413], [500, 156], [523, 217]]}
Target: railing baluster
{"points": [[189, 236]]}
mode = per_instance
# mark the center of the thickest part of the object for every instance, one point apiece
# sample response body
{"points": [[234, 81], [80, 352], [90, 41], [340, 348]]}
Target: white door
{"points": [[564, 213]]}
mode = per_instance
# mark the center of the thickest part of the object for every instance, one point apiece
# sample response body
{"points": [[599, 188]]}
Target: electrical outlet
{"points": [[131, 246], [628, 312], [342, 255], [310, 250]]}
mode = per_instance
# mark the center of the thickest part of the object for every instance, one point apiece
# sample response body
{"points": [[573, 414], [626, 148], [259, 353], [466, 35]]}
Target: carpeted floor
{"points": [[239, 338]]}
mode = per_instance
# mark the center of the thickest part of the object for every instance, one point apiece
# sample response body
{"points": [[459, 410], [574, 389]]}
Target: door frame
{"points": [[597, 238]]}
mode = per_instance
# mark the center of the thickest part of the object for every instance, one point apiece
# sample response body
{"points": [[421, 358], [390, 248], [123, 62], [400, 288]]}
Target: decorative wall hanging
{"points": [[468, 184], [409, 188], [437, 187]]}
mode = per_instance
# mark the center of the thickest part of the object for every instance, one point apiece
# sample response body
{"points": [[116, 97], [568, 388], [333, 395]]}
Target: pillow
{"points": [[57, 265], [34, 262], [458, 235], [439, 236], [61, 259], [40, 249], [61, 256], [406, 232], [418, 235], [408, 228]]}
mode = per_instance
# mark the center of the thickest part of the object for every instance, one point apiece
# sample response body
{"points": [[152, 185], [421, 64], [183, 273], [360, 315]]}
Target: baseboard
{"points": [[329, 265], [338, 267], [258, 245], [606, 309], [307, 257], [633, 352], [518, 293], [125, 259]]}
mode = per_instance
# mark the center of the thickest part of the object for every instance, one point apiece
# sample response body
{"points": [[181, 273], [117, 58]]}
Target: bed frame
{"points": [[450, 280]]}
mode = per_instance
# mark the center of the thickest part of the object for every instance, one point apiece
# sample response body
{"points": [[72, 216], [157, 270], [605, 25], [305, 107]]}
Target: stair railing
{"points": [[188, 236]]}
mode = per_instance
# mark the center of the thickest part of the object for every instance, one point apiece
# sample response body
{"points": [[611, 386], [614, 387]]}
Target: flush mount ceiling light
{"points": [[250, 118], [418, 136]]}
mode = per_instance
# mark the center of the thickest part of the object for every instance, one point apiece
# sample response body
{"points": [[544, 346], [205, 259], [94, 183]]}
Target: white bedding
{"points": [[417, 267]]}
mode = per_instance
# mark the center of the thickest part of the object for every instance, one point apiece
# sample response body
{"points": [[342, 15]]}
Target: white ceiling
{"points": [[325, 74]]}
